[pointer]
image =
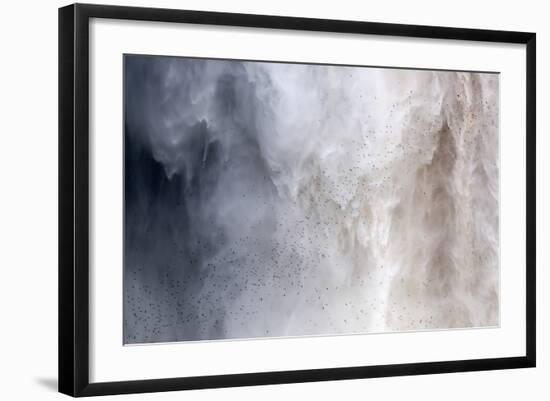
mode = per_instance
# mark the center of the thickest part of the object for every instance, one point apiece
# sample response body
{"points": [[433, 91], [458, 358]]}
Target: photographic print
{"points": [[275, 199]]}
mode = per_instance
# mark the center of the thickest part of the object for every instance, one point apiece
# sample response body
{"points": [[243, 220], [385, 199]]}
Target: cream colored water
{"points": [[389, 183]]}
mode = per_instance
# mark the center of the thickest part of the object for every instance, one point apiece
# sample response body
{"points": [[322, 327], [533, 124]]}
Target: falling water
{"points": [[273, 199]]}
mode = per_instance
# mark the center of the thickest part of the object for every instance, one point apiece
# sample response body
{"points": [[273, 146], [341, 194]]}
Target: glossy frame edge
{"points": [[73, 191]]}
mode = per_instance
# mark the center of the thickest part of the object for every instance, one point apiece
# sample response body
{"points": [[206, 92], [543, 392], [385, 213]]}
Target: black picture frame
{"points": [[74, 201]]}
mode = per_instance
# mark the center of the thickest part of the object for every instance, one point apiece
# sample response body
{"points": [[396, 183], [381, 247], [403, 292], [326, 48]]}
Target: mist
{"points": [[272, 199]]}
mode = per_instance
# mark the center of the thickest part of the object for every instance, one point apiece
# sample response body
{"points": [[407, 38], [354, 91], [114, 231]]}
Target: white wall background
{"points": [[28, 200]]}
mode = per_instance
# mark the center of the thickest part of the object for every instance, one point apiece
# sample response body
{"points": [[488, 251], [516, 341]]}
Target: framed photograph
{"points": [[251, 199]]}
